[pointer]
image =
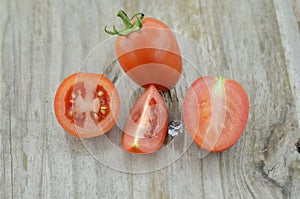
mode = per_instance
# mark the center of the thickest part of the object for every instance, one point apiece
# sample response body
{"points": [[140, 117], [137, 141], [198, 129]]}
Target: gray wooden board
{"points": [[254, 42]]}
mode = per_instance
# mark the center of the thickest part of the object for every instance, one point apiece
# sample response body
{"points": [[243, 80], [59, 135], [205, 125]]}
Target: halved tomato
{"points": [[215, 112], [146, 128], [87, 105], [148, 52]]}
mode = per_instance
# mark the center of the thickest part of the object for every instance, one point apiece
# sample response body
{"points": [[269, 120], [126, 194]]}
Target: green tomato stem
{"points": [[129, 26], [125, 19]]}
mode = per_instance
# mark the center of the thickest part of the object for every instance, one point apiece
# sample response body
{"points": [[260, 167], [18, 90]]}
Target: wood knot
{"points": [[298, 145]]}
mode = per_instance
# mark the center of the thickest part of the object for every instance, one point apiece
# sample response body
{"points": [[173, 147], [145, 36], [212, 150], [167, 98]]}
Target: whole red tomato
{"points": [[148, 52], [215, 112], [87, 105]]}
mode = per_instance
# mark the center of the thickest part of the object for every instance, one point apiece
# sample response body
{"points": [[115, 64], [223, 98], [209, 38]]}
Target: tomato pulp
{"points": [[215, 112], [87, 105], [150, 55], [145, 129]]}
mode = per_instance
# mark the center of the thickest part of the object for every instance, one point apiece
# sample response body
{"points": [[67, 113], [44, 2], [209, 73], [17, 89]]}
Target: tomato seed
{"points": [[100, 93], [96, 116], [103, 107], [102, 111]]}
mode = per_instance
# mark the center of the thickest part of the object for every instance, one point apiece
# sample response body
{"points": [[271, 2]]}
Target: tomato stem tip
{"points": [[129, 25], [135, 143], [219, 88]]}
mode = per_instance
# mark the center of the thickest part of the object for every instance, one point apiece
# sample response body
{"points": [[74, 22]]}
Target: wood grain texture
{"points": [[254, 42], [296, 9]]}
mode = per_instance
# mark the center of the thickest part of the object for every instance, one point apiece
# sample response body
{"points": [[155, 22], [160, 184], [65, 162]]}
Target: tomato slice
{"points": [[150, 56], [87, 105], [145, 130], [215, 112]]}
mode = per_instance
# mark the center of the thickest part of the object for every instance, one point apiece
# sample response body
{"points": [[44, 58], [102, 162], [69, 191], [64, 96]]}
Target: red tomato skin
{"points": [[59, 104], [145, 145], [150, 56], [198, 113]]}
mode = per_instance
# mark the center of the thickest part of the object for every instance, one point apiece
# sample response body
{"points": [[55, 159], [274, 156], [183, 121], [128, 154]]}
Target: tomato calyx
{"points": [[129, 25]]}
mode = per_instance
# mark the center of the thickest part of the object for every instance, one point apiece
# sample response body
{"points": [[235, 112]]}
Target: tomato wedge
{"points": [[146, 128], [148, 52], [87, 105], [215, 112]]}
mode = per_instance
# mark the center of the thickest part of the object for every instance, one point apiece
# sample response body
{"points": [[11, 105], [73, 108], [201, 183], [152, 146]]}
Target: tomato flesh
{"points": [[146, 128], [150, 56], [73, 98], [87, 105], [215, 112]]}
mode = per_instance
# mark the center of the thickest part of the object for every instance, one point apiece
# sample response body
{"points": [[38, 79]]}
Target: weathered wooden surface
{"points": [[255, 42]]}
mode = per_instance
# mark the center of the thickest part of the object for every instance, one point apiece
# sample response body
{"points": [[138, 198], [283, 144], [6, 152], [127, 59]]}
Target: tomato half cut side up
{"points": [[215, 112], [148, 51], [146, 127], [87, 105]]}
